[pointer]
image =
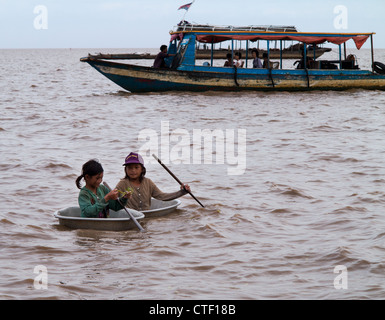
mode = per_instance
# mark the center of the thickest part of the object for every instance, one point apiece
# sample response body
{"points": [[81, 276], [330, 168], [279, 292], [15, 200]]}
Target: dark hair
{"points": [[163, 47], [141, 175], [91, 168], [256, 51], [239, 54]]}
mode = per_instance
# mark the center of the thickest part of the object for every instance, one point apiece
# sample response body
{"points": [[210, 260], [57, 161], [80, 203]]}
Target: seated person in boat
{"points": [[269, 64], [159, 60], [266, 62], [257, 63], [229, 61], [302, 63], [143, 189], [237, 60], [95, 199], [350, 62]]}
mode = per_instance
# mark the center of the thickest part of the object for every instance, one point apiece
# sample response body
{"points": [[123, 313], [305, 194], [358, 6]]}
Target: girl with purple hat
{"points": [[143, 189]]}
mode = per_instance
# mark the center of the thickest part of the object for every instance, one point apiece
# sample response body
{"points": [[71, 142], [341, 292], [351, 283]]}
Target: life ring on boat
{"points": [[379, 67], [176, 61]]}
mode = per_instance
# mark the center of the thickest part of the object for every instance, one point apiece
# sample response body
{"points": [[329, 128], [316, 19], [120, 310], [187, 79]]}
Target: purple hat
{"points": [[133, 158]]}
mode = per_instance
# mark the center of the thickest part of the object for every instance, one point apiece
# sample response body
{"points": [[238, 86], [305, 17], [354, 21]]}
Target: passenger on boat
{"points": [[350, 62], [229, 61], [237, 60], [143, 188], [269, 64], [302, 63], [266, 63], [95, 199], [159, 60], [257, 63]]}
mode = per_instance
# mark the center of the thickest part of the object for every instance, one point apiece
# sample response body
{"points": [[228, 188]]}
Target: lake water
{"points": [[310, 198]]}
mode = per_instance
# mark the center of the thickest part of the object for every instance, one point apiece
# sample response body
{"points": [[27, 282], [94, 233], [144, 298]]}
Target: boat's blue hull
{"points": [[196, 78]]}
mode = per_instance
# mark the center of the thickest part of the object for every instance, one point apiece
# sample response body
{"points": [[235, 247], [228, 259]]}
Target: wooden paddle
{"points": [[128, 212], [173, 175]]}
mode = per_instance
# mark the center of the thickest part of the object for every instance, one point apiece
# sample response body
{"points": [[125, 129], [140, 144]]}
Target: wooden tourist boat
{"points": [[183, 73]]}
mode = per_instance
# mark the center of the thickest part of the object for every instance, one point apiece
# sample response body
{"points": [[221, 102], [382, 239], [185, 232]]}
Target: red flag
{"points": [[186, 6]]}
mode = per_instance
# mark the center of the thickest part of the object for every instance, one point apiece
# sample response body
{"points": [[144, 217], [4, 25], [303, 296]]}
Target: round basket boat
{"points": [[161, 208], [118, 220]]}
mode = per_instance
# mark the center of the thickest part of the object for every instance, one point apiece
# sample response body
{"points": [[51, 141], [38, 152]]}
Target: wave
{"points": [[53, 165], [283, 210], [6, 221], [9, 166], [296, 193], [349, 209], [288, 191], [338, 158]]}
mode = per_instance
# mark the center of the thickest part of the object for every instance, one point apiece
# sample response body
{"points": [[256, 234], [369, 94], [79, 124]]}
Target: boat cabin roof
{"points": [[206, 27], [212, 34]]}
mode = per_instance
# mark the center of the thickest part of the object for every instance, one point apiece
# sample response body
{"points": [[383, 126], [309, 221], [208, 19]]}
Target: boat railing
{"points": [[265, 28]]}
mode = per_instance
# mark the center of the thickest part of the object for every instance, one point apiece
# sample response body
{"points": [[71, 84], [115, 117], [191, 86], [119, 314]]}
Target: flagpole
{"points": [[184, 15], [187, 11]]}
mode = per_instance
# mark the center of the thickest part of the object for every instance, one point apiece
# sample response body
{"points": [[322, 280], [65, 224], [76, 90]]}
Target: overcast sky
{"points": [[146, 23]]}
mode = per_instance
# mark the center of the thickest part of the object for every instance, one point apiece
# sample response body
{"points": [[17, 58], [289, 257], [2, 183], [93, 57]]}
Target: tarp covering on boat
{"points": [[308, 38]]}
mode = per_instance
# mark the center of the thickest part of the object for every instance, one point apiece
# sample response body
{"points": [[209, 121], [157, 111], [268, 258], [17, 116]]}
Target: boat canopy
{"points": [[308, 38]]}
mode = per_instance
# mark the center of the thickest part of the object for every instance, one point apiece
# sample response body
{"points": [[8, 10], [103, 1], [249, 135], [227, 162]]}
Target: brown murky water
{"points": [[311, 198]]}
